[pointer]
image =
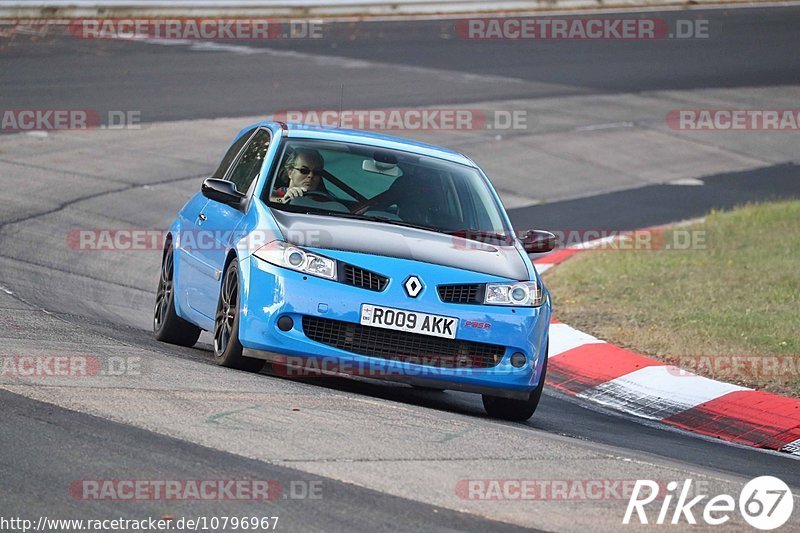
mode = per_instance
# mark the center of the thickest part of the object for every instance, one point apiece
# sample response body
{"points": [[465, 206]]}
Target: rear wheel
{"points": [[227, 348], [516, 410], [167, 325]]}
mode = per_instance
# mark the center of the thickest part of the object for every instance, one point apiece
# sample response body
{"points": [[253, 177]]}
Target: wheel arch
{"points": [[229, 258], [168, 239]]}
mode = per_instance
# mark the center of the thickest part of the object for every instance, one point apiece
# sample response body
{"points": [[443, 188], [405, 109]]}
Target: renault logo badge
{"points": [[413, 286]]}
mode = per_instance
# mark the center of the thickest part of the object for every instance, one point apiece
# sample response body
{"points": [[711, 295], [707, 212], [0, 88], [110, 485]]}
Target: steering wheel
{"points": [[321, 196], [319, 200]]}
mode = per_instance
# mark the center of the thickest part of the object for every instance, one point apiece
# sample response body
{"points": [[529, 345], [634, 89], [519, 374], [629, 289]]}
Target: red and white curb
{"points": [[586, 367]]}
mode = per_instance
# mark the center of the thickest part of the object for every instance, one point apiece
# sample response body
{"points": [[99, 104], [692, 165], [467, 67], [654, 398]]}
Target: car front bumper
{"points": [[271, 292]]}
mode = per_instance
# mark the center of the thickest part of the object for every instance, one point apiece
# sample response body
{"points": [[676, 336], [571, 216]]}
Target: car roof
{"points": [[305, 131]]}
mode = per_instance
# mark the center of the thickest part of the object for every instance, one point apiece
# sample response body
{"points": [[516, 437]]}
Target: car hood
{"points": [[364, 236]]}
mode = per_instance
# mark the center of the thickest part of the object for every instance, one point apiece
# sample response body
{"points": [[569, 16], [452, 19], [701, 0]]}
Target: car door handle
{"points": [[202, 217]]}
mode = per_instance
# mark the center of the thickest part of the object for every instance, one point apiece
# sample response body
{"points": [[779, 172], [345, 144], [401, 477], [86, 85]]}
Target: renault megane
{"points": [[364, 254]]}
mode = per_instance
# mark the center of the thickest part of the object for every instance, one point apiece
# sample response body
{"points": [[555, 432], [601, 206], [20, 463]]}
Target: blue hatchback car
{"points": [[328, 251]]}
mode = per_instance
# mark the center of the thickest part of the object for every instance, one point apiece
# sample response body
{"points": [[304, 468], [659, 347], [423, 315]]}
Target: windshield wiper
{"points": [[374, 218]]}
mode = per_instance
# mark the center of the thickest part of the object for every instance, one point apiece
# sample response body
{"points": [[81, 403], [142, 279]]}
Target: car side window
{"points": [[231, 154], [249, 164]]}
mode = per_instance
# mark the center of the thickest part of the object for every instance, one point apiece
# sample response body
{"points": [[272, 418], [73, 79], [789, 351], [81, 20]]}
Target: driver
{"points": [[301, 173]]}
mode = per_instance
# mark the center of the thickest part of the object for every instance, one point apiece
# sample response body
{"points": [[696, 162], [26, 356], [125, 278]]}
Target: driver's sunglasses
{"points": [[305, 171]]}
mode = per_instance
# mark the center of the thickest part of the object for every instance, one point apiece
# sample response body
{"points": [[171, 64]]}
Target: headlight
{"points": [[289, 256], [529, 294]]}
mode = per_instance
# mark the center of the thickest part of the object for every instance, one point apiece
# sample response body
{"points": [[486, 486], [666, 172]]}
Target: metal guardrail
{"points": [[305, 8]]}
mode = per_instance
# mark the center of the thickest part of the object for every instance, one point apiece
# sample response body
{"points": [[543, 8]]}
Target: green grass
{"points": [[736, 296]]}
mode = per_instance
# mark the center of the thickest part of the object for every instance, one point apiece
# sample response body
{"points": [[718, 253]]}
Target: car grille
{"points": [[358, 277], [402, 345], [461, 294]]}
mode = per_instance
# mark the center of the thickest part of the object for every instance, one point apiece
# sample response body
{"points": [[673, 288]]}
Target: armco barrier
{"points": [[310, 8]]}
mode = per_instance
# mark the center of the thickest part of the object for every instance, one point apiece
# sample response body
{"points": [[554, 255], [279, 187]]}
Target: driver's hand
{"points": [[293, 192]]}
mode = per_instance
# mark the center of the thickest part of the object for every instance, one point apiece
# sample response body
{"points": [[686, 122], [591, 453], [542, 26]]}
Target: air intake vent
{"points": [[358, 277], [461, 294], [402, 345]]}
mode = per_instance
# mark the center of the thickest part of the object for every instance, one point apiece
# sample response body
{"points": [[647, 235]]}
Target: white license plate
{"points": [[397, 319]]}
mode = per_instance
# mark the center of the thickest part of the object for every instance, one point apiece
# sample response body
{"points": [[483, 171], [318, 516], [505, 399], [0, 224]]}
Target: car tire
{"points": [[227, 348], [167, 325], [429, 389], [516, 410]]}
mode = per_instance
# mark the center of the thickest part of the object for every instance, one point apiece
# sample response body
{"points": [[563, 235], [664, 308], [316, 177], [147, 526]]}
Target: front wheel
{"points": [[516, 410], [227, 348]]}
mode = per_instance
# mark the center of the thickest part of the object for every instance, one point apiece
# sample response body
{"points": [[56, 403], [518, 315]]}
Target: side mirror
{"points": [[222, 191], [538, 242]]}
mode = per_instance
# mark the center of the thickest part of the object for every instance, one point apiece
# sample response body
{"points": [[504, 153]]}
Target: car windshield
{"points": [[388, 186]]}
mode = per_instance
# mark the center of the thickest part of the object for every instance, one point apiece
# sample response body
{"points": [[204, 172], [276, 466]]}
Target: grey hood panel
{"points": [[318, 231]]}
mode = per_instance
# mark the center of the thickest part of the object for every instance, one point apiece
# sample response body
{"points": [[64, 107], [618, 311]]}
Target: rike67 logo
{"points": [[765, 503]]}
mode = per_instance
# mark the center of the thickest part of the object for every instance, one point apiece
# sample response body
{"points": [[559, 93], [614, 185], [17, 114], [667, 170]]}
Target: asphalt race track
{"points": [[387, 457]]}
